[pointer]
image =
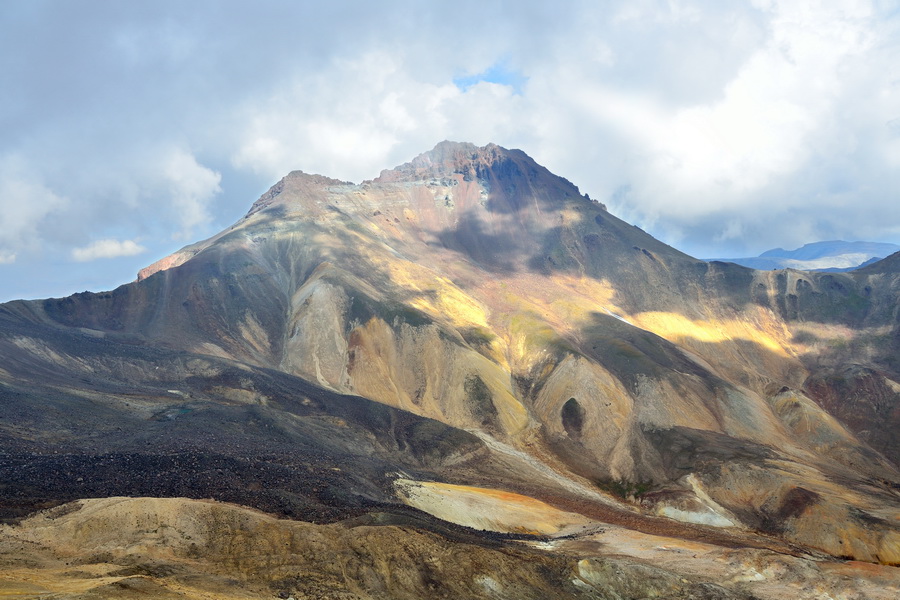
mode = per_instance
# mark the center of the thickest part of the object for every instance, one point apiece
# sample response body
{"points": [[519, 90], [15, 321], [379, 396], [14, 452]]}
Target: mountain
{"points": [[834, 256], [465, 357]]}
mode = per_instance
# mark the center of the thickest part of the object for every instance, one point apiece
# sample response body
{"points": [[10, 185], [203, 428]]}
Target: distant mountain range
{"points": [[461, 379], [832, 256]]}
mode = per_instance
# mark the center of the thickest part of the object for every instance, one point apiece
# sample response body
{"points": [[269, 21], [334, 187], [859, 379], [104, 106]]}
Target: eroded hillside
{"points": [[513, 335]]}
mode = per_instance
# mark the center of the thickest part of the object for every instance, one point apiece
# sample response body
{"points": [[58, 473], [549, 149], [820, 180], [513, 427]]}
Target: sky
{"points": [[129, 129]]}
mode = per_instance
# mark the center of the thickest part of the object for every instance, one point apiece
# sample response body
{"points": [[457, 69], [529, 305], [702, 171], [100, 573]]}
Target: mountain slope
{"points": [[545, 346]]}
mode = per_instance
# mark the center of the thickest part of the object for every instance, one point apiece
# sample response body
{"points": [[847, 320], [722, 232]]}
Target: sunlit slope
{"points": [[474, 287]]}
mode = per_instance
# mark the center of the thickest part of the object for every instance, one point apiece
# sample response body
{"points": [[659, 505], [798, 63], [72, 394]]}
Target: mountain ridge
{"points": [[833, 256], [471, 321]]}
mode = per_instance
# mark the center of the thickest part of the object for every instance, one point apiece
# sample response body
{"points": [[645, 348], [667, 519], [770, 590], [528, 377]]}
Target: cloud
{"points": [[190, 187], [792, 144], [108, 248], [26, 204], [344, 124], [731, 125]]}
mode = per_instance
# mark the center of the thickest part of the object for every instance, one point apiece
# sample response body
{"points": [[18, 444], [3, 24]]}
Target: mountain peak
{"points": [[493, 165], [888, 264], [449, 158], [296, 183]]}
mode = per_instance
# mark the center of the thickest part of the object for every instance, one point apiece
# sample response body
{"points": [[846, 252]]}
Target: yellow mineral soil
{"points": [[765, 574], [434, 294], [255, 335], [676, 328], [443, 300], [817, 429], [607, 412], [417, 370], [562, 303], [574, 299], [487, 509], [447, 300], [175, 548], [838, 520], [117, 548]]}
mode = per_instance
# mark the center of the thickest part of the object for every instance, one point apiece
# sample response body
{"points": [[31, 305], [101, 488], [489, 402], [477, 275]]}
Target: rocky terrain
{"points": [[463, 378], [177, 548]]}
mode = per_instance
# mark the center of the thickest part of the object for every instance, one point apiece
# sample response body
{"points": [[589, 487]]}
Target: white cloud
{"points": [[732, 230], [345, 123], [729, 123], [25, 204], [773, 141], [764, 126], [108, 248], [190, 187]]}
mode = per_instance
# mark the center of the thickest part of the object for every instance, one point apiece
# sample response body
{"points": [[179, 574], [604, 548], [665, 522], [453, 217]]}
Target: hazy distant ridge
{"points": [[835, 255]]}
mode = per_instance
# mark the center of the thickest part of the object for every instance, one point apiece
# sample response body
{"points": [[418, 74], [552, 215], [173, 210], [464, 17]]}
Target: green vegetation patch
{"points": [[539, 335], [625, 489], [480, 400], [477, 336]]}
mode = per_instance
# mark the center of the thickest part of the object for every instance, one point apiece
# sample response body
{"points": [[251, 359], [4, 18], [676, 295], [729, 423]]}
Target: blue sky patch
{"points": [[499, 72]]}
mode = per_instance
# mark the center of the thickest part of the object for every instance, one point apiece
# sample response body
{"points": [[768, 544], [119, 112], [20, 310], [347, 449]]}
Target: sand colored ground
{"points": [[765, 574], [487, 509], [204, 550]]}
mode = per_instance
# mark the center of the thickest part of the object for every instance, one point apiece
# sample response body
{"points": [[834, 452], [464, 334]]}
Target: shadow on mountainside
{"points": [[470, 237]]}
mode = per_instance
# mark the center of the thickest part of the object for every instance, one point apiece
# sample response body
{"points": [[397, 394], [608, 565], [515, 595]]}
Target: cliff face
{"points": [[473, 290]]}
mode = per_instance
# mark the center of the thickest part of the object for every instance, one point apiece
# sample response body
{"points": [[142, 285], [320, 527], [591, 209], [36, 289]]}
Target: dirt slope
{"points": [[468, 319]]}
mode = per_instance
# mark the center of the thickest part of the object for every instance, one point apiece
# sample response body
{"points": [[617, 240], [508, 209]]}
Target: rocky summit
{"points": [[461, 379]]}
